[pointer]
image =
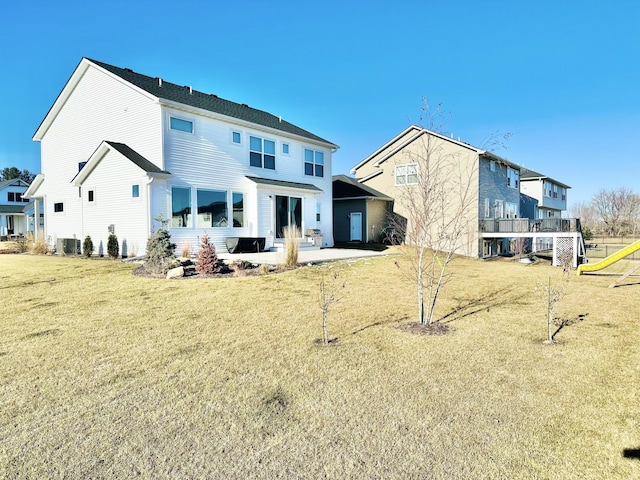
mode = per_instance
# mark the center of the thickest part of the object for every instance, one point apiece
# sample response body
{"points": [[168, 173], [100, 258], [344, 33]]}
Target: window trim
{"points": [[210, 216], [181, 119], [189, 213], [405, 175], [515, 174], [262, 152], [233, 209], [314, 163]]}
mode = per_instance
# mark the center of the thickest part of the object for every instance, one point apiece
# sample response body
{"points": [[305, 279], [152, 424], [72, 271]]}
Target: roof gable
{"points": [[167, 92], [411, 134], [14, 182], [127, 152]]}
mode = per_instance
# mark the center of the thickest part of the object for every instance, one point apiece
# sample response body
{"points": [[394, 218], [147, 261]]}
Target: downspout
{"points": [[149, 219]]}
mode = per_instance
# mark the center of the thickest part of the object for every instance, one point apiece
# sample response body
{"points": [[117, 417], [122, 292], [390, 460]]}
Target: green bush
{"points": [[87, 246], [113, 249], [160, 256]]}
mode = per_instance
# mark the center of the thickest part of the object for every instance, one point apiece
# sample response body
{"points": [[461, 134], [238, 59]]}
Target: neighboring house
{"points": [[13, 219], [494, 222], [494, 181], [360, 213], [120, 148], [550, 194]]}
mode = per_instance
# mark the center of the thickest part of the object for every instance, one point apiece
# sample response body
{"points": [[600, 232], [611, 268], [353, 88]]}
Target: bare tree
{"points": [[437, 206], [330, 293], [587, 215], [618, 210]]}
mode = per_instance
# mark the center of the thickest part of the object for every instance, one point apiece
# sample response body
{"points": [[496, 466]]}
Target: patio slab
{"points": [[305, 256]]}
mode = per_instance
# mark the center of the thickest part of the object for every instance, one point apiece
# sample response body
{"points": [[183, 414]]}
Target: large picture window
{"points": [[262, 153], [212, 209], [238, 209], [180, 207], [313, 163]]}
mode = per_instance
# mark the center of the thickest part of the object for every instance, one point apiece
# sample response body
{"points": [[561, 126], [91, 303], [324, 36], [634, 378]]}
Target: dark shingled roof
{"points": [[136, 158], [282, 183], [348, 187], [11, 208], [213, 103]]}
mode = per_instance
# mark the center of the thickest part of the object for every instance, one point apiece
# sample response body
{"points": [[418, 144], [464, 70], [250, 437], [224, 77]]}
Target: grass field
{"points": [[105, 374]]}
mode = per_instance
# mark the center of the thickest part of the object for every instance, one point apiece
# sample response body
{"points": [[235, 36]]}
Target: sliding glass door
{"points": [[288, 212]]}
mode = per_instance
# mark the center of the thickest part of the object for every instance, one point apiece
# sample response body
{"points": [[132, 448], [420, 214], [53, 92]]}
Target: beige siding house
{"points": [[472, 182]]}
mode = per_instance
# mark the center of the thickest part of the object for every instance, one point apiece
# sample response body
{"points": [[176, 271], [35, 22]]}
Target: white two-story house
{"points": [[119, 148], [14, 220], [550, 194]]}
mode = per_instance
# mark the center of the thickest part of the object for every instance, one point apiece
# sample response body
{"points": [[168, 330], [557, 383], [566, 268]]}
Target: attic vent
{"points": [[190, 90], [159, 82], [128, 70]]}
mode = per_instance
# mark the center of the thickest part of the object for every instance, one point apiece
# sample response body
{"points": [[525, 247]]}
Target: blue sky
{"points": [[562, 76]]}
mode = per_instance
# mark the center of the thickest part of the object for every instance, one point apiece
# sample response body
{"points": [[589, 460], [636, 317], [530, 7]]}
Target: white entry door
{"points": [[356, 227]]}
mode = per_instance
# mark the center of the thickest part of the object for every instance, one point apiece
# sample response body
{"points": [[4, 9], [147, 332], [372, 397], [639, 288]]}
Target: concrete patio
{"points": [[305, 256]]}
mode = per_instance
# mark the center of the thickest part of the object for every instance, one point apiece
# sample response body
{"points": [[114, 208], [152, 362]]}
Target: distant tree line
{"points": [[10, 173], [611, 213]]}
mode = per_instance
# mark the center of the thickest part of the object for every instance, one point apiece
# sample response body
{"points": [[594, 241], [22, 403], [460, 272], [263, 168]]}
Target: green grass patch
{"points": [[109, 375]]}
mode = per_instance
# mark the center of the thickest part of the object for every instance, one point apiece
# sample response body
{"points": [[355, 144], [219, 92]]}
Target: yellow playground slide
{"points": [[620, 254]]}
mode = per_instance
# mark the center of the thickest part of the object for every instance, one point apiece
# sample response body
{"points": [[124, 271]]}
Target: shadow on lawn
{"points": [[631, 453], [470, 306]]}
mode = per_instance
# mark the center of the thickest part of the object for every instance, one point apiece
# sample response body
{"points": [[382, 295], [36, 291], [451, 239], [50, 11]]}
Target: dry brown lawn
{"points": [[104, 374]]}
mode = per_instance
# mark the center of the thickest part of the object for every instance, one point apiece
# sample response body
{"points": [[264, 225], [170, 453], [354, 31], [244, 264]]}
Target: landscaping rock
{"points": [[177, 272]]}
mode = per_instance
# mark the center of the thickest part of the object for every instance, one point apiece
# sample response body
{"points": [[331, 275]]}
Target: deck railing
{"points": [[527, 225]]}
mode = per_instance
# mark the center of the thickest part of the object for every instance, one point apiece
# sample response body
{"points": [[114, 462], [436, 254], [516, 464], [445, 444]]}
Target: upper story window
{"points": [[11, 196], [58, 207], [513, 178], [236, 138], [313, 163], [262, 153], [406, 174], [91, 195], [285, 148], [564, 194], [492, 165], [555, 191], [181, 125], [135, 191], [547, 189]]}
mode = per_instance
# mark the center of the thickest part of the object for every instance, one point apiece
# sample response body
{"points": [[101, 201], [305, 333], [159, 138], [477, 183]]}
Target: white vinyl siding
{"points": [[112, 179], [209, 160], [99, 108]]}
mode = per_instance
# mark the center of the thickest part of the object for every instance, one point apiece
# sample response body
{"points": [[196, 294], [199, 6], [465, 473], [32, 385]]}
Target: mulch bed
{"points": [[227, 271], [435, 328]]}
